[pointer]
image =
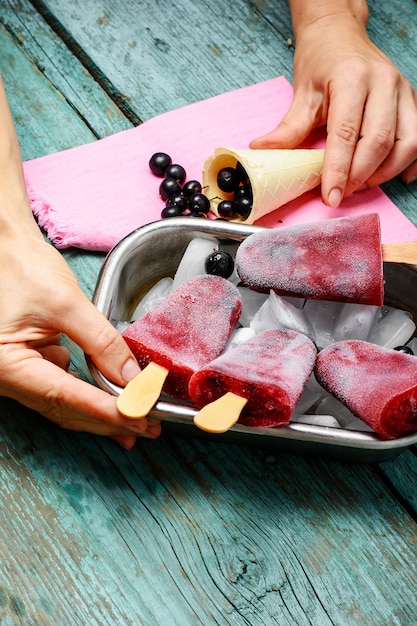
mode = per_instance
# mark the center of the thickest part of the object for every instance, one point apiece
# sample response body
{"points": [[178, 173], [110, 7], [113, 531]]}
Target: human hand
{"points": [[343, 80], [39, 299]]}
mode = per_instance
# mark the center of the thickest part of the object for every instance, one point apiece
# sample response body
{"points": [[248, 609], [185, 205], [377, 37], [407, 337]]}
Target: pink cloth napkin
{"points": [[93, 195]]}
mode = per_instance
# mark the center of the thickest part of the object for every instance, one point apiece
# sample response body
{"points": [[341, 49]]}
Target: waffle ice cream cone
{"points": [[276, 176]]}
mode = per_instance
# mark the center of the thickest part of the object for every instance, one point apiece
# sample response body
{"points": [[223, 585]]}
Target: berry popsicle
{"points": [[189, 328], [258, 383], [333, 259], [379, 385]]}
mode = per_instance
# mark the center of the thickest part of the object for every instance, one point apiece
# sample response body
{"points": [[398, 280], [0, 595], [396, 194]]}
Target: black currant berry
{"points": [[243, 207], [220, 263], [227, 179], [199, 203], [226, 209], [193, 214], [404, 349], [191, 187], [178, 200], [176, 171], [168, 187], [240, 192], [158, 163], [171, 211]]}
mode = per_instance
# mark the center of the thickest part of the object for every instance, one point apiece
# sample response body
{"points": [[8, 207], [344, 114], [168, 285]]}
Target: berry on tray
{"points": [[220, 263]]}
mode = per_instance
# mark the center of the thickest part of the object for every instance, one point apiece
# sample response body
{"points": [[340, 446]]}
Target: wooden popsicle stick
{"points": [[219, 416], [400, 252], [141, 393]]}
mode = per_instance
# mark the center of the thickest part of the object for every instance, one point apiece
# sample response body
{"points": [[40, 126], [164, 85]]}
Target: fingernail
{"points": [[335, 198], [129, 370], [410, 180]]}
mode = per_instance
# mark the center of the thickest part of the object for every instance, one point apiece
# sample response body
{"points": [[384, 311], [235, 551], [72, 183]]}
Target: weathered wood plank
{"points": [[172, 533], [225, 48], [41, 114], [62, 69], [162, 56], [185, 532]]}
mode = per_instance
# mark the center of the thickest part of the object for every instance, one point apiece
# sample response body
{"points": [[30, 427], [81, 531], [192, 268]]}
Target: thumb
{"points": [[297, 124], [99, 339]]}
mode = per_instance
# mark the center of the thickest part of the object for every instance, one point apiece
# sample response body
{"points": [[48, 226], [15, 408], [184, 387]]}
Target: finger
{"points": [[403, 155], [59, 396], [127, 442], [154, 427], [46, 341], [409, 175], [378, 133], [59, 355], [346, 104], [89, 329], [301, 118]]}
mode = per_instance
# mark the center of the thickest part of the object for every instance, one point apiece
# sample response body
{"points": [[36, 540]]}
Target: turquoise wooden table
{"points": [[182, 531]]}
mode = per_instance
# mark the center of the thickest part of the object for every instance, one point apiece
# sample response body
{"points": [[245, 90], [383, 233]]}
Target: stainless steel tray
{"points": [[154, 251]]}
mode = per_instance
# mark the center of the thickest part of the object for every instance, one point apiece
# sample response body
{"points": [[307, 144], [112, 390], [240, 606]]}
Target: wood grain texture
{"points": [[163, 56], [181, 531], [155, 57], [62, 69]]}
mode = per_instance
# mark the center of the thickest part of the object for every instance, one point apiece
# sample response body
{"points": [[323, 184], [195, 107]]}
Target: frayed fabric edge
{"points": [[42, 210]]}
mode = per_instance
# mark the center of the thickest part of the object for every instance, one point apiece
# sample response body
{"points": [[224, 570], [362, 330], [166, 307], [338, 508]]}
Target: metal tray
{"points": [[154, 251]]}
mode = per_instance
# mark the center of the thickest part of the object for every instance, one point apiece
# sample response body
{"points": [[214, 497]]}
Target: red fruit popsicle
{"points": [[335, 259], [268, 371], [379, 385], [189, 328]]}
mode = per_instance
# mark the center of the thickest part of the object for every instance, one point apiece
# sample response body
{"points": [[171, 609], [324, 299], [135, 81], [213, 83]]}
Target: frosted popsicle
{"points": [[189, 328], [377, 384], [269, 371], [334, 259]]}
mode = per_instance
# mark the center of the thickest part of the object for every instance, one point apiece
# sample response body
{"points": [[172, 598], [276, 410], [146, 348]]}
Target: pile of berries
{"points": [[235, 181], [183, 197], [180, 197]]}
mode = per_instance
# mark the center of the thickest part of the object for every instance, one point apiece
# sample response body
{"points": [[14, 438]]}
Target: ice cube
{"points": [[393, 329], [157, 293], [239, 336], [307, 399], [355, 321], [297, 302], [193, 261], [234, 278], [313, 385], [358, 424], [323, 315], [251, 303], [316, 420], [277, 313], [121, 326], [331, 406]]}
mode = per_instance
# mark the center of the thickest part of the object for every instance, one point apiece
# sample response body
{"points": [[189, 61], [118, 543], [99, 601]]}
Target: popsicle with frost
{"points": [[339, 259], [189, 328], [258, 383], [378, 384]]}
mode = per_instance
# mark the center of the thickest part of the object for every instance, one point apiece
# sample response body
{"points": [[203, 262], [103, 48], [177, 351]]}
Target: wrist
{"points": [[305, 13], [16, 219]]}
